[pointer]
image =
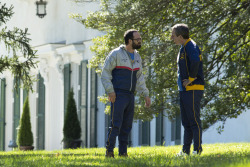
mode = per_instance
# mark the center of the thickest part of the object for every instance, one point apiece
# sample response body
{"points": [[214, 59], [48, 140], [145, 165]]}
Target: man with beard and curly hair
{"points": [[121, 77]]}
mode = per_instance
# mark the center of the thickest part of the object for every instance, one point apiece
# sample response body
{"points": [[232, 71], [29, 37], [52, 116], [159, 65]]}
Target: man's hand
{"points": [[112, 97], [186, 82], [147, 101]]}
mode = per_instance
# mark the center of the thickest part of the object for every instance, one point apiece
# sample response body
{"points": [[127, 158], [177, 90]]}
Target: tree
{"points": [[20, 57], [220, 28], [25, 135], [71, 128]]}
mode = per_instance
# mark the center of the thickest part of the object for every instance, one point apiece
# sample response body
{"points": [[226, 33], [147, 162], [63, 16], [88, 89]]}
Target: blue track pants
{"points": [[190, 115], [122, 112]]}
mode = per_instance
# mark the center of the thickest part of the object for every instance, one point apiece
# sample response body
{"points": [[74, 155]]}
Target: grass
{"points": [[214, 155]]}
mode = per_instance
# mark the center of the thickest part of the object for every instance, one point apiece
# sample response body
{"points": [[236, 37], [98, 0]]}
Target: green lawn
{"points": [[221, 155]]}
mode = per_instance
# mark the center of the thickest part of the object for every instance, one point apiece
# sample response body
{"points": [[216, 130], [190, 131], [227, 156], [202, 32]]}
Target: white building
{"points": [[62, 45]]}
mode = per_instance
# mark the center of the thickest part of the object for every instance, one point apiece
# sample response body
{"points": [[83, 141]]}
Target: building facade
{"points": [[62, 46]]}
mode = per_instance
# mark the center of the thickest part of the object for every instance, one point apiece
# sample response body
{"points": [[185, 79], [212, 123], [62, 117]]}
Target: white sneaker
{"points": [[181, 154], [196, 153]]}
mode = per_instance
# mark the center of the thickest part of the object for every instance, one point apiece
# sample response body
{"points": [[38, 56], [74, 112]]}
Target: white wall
{"points": [[235, 130], [56, 26]]}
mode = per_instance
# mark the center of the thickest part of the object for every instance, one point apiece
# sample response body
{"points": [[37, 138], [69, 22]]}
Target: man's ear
{"points": [[130, 41]]}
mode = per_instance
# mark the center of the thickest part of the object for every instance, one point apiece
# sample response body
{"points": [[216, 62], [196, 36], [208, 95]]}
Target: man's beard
{"points": [[135, 46]]}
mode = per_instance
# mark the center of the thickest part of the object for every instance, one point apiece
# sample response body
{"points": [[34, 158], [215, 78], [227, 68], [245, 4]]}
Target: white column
{"points": [[152, 132], [167, 131], [88, 110], [44, 71], [8, 109]]}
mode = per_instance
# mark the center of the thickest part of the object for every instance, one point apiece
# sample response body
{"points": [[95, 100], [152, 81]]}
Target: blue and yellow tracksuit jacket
{"points": [[190, 66]]}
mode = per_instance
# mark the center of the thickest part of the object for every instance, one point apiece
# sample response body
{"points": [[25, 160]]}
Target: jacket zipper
{"points": [[131, 75], [132, 71]]}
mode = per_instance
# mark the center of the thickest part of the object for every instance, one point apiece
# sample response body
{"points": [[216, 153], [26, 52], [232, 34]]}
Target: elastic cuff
{"points": [[110, 91], [190, 79]]}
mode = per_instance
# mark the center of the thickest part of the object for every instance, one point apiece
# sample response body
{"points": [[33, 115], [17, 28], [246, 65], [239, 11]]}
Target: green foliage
{"points": [[16, 42], [25, 135], [214, 155], [71, 128], [220, 28]]}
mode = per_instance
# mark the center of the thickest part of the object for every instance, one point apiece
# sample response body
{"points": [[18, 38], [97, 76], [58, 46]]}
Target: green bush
{"points": [[71, 128], [24, 135]]}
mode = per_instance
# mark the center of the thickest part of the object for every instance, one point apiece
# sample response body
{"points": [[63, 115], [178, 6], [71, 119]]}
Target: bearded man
{"points": [[121, 77]]}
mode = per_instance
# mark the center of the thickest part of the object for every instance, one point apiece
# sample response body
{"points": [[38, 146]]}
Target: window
{"points": [[93, 109], [176, 129], [66, 73], [25, 94], [144, 138], [159, 129], [16, 111], [83, 101], [41, 114], [88, 114]]}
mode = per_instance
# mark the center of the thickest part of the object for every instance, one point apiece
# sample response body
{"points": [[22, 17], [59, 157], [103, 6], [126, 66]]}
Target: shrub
{"points": [[71, 128], [24, 135]]}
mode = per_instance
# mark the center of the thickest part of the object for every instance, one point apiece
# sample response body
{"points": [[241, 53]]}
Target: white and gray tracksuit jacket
{"points": [[119, 73]]}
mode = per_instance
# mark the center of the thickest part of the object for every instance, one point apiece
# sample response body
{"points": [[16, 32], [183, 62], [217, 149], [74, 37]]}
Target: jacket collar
{"points": [[124, 48], [189, 39]]}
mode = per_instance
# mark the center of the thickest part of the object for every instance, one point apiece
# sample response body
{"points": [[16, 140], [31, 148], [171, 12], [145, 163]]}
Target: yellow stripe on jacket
{"points": [[195, 87]]}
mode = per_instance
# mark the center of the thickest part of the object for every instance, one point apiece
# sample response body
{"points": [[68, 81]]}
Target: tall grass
{"points": [[214, 155]]}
